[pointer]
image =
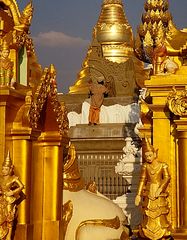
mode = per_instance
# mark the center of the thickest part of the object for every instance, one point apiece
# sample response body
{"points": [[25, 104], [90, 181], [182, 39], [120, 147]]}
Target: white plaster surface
{"points": [[90, 206], [109, 114]]}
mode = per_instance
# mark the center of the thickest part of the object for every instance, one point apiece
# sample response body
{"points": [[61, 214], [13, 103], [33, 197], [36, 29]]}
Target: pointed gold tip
{"points": [[7, 162], [52, 68], [112, 2]]}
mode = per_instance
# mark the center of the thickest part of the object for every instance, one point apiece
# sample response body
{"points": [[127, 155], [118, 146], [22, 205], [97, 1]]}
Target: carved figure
{"points": [[6, 66], [25, 18], [97, 91], [10, 187], [153, 196], [159, 55]]}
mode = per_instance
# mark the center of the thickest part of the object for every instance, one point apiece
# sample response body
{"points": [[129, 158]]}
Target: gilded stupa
{"points": [[110, 56]]}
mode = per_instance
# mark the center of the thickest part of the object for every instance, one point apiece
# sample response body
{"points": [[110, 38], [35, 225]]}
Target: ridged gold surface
{"points": [[112, 25]]}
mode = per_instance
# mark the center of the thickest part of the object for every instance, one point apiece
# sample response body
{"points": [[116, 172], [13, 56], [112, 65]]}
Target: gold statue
{"points": [[6, 66], [10, 188], [152, 192]]}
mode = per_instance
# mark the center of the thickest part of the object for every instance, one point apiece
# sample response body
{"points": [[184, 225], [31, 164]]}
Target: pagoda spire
{"points": [[112, 25], [111, 49]]}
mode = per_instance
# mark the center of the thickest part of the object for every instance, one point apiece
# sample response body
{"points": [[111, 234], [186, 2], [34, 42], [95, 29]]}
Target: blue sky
{"points": [[62, 31]]}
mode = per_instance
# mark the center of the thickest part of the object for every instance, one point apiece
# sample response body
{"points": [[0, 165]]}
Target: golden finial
{"points": [[52, 68], [112, 2], [7, 162]]}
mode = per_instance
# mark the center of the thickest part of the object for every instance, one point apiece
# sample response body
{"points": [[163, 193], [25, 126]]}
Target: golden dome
{"points": [[112, 26]]}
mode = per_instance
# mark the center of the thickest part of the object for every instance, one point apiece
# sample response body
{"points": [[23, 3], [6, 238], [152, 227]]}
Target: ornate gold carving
{"points": [[110, 223], [48, 89], [12, 5], [6, 66], [10, 188], [157, 27], [152, 192], [67, 215], [25, 18], [72, 178], [22, 38], [112, 26], [92, 187], [177, 102]]}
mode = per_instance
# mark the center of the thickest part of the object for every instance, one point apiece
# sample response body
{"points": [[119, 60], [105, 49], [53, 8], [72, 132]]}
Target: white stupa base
{"points": [[133, 213]]}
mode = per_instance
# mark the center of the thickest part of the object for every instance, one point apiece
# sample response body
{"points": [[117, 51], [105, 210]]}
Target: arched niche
{"points": [[22, 66]]}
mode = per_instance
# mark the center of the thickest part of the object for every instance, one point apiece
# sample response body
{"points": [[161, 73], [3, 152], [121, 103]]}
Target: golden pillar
{"points": [[161, 120], [47, 186], [181, 127], [22, 139]]}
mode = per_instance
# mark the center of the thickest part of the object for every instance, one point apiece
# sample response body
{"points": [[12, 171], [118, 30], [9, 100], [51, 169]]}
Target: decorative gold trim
{"points": [[71, 175], [48, 88], [110, 223], [177, 102], [12, 5], [67, 215]]}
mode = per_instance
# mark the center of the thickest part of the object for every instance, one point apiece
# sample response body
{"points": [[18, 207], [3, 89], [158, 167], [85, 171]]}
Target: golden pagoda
{"points": [[111, 56]]}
